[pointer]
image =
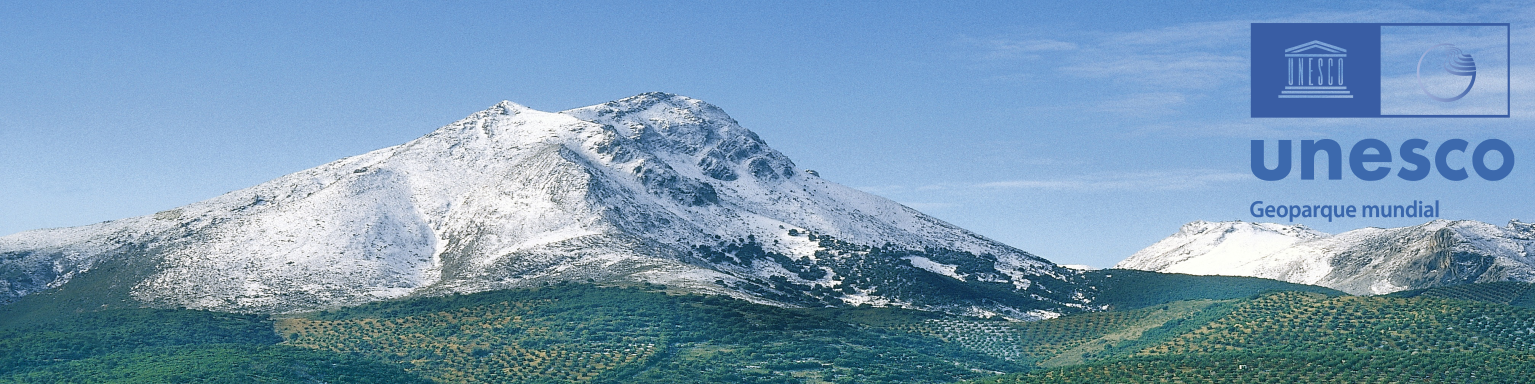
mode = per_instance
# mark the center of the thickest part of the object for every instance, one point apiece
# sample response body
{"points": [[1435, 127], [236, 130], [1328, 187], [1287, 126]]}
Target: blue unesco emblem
{"points": [[1380, 70], [1456, 64], [1315, 71]]}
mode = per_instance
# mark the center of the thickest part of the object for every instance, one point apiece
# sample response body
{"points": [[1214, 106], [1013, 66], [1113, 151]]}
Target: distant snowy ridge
{"points": [[1362, 261], [653, 188]]}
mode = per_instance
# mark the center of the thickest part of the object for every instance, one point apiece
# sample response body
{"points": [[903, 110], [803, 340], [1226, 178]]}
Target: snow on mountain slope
{"points": [[1206, 248], [654, 188], [1362, 261]]}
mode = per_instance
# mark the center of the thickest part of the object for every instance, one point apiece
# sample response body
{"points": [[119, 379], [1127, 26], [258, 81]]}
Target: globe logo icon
{"points": [[1445, 73]]}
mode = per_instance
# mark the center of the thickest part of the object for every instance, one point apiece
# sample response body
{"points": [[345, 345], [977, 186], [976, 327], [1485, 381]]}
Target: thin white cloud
{"points": [[1167, 180], [1201, 36], [1199, 70], [1196, 55], [1176, 180], [1001, 49], [1145, 104], [1246, 128]]}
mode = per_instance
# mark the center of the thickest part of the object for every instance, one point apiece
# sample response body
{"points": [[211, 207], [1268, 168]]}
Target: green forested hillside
{"points": [[1121, 289], [1060, 341], [583, 333], [170, 346], [83, 335], [1306, 322], [1506, 292], [1300, 337], [217, 363], [1285, 368], [579, 333]]}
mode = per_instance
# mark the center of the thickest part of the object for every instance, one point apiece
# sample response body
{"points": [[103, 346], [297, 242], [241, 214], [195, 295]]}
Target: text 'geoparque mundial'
{"points": [[1369, 151]]}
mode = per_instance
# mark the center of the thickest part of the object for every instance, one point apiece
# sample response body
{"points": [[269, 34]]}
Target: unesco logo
{"points": [[1315, 71], [1380, 70], [1456, 65]]}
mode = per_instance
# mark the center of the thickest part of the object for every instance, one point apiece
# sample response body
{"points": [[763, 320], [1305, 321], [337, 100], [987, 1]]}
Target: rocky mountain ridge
{"points": [[1362, 261], [655, 188]]}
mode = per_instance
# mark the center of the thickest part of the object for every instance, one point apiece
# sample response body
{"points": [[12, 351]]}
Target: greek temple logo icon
{"points": [[1315, 72], [1456, 66]]}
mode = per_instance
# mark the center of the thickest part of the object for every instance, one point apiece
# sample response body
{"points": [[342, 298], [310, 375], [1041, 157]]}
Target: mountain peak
{"points": [[507, 107], [649, 100], [672, 116], [1362, 261], [1216, 248], [654, 188], [689, 131], [1521, 227], [1200, 227]]}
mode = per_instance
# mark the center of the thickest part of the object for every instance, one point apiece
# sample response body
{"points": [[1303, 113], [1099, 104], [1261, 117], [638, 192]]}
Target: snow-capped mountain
{"points": [[1361, 261], [653, 188]]}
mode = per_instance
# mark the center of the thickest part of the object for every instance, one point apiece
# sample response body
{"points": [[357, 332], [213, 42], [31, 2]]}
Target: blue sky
{"points": [[1079, 131]]}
